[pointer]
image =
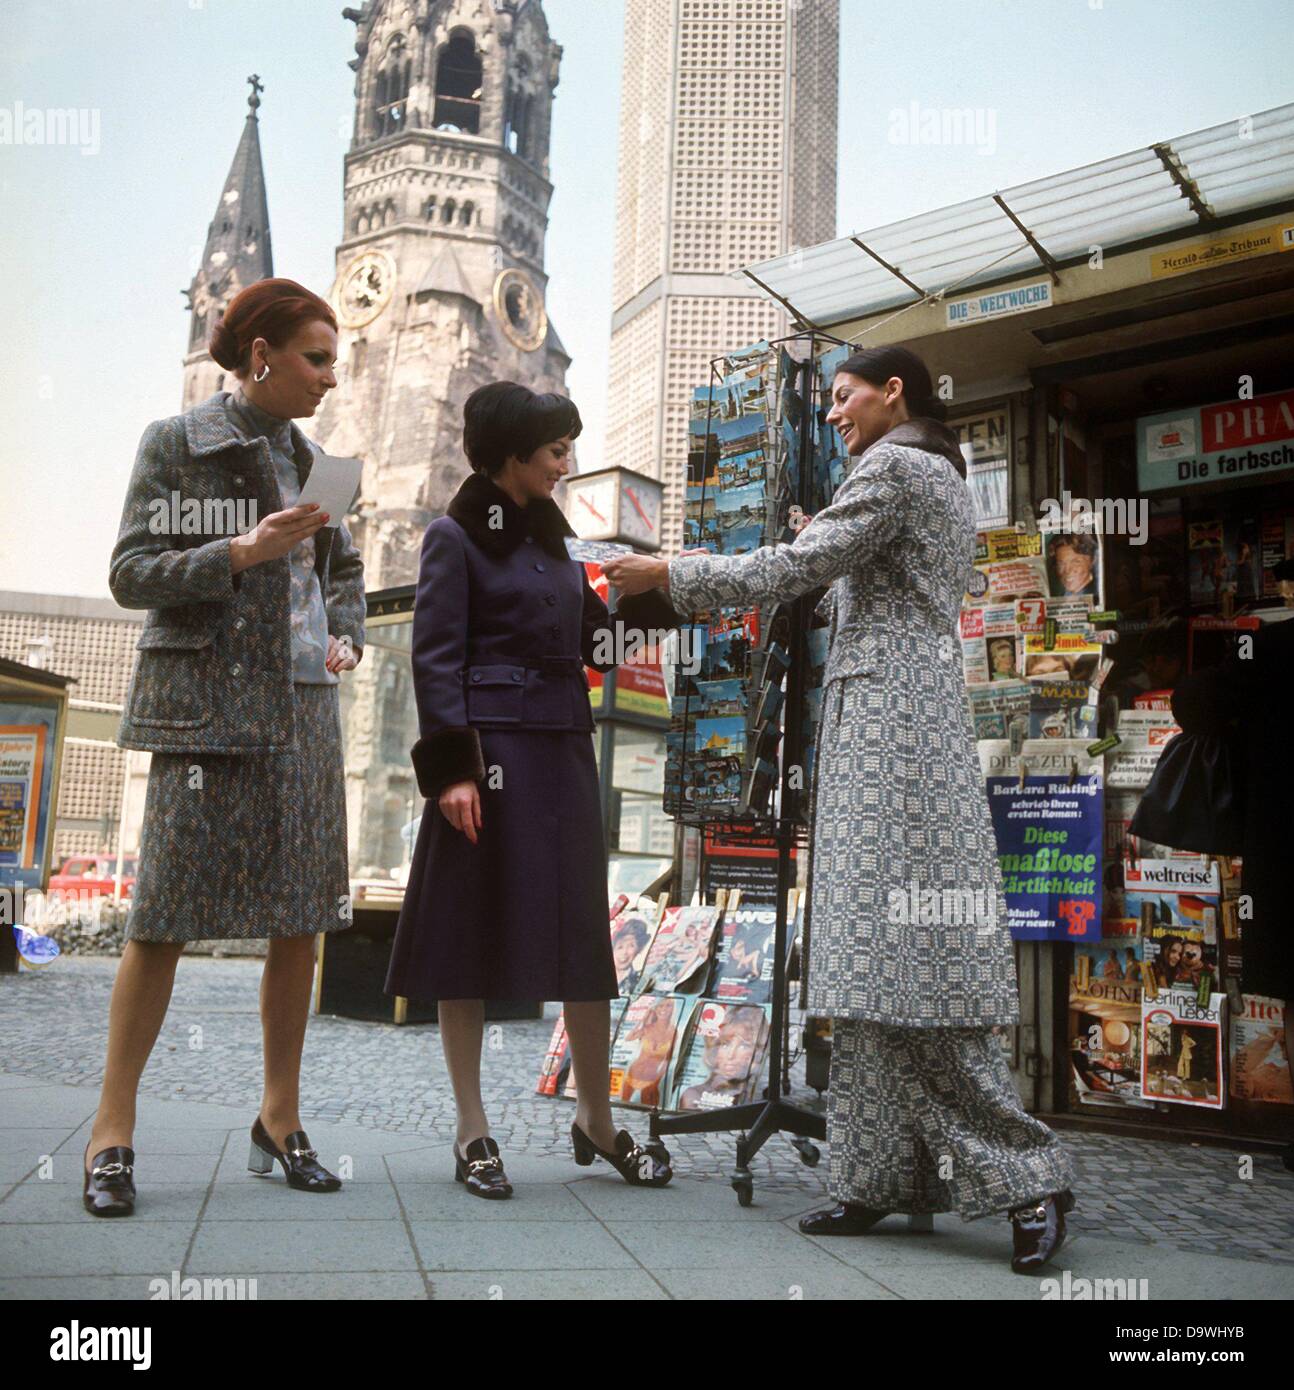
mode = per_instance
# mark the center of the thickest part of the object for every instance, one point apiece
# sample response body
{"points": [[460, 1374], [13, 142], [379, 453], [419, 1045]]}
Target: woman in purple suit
{"points": [[507, 894]]}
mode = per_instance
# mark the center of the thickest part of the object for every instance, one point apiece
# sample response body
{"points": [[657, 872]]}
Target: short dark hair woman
{"points": [[507, 892], [900, 805], [235, 695]]}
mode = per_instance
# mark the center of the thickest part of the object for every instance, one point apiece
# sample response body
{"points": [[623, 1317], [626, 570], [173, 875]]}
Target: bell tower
{"points": [[440, 283]]}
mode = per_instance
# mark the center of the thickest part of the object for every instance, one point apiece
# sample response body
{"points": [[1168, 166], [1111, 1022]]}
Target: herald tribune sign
{"points": [[1232, 441]]}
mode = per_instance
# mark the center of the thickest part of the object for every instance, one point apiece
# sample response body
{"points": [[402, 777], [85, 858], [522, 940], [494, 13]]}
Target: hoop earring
{"points": [[262, 374]]}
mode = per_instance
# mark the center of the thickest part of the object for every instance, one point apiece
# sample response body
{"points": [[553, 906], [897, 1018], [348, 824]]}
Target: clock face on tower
{"points": [[364, 289], [519, 306]]}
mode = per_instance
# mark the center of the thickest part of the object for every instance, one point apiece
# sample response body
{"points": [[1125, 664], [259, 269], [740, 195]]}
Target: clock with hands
{"points": [[616, 504]]}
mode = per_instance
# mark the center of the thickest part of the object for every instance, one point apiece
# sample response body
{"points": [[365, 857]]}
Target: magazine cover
{"points": [[744, 967], [631, 938], [646, 1048], [1260, 1067], [556, 1060], [680, 953], [990, 651], [1181, 1049], [723, 1057], [1178, 905], [1008, 564], [1105, 1026]]}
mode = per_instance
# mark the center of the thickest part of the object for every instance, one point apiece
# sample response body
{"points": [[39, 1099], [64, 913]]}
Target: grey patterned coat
{"points": [[900, 810], [214, 672]]}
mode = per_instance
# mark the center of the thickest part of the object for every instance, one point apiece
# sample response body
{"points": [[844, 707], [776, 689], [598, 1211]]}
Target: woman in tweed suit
{"points": [[235, 694], [909, 953]]}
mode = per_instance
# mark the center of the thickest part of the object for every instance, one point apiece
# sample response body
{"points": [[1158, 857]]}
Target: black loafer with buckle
{"points": [[844, 1219], [480, 1170], [300, 1162], [640, 1165], [110, 1182]]}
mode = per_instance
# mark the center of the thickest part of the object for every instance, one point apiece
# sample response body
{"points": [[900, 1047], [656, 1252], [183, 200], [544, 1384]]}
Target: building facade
{"points": [[727, 156]]}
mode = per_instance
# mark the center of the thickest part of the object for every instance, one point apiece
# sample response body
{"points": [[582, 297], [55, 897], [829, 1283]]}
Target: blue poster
{"points": [[1049, 838]]}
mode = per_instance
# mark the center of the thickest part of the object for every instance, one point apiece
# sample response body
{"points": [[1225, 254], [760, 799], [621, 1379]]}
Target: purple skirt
{"points": [[522, 915]]}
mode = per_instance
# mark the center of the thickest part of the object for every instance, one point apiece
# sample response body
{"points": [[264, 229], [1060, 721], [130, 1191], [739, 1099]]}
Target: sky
{"points": [[101, 235]]}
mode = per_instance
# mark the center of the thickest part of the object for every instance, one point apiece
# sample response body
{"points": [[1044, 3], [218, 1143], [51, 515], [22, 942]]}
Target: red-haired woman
{"points": [[256, 604]]}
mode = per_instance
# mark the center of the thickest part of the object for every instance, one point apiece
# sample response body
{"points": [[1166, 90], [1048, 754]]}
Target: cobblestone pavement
{"points": [[53, 1025]]}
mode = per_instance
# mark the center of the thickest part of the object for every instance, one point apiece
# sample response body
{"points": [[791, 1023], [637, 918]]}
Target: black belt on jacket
{"points": [[535, 663]]}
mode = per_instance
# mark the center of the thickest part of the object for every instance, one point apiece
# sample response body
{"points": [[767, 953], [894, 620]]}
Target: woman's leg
{"points": [[462, 1028], [140, 996], [285, 1009], [588, 1026], [995, 1155]]}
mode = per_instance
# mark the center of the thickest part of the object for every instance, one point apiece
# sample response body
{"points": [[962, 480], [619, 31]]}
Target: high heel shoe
{"points": [[110, 1182], [481, 1170], [640, 1165], [301, 1164], [844, 1219]]}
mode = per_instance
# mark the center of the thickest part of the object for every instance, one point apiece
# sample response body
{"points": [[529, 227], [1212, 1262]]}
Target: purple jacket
{"points": [[504, 624]]}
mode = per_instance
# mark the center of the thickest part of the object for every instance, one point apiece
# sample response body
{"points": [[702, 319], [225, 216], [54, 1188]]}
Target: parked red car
{"points": [[94, 873]]}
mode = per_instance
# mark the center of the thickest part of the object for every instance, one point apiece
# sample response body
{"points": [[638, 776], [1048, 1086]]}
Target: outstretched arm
{"points": [[868, 512]]}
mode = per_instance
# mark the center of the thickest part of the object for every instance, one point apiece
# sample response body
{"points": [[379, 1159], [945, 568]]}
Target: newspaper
{"points": [[1143, 734]]}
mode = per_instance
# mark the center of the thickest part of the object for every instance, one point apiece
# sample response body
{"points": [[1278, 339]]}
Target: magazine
{"points": [[723, 1056], [631, 938], [646, 1048], [1260, 1067], [1181, 1049], [556, 1061], [1000, 709], [745, 958], [1143, 734], [1177, 904], [680, 952], [1008, 564], [990, 651], [1105, 1027]]}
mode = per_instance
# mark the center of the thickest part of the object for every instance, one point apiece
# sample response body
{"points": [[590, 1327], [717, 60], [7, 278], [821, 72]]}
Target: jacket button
{"points": [[550, 598], [238, 480], [235, 670], [476, 675], [540, 568], [239, 624], [516, 675], [554, 629]]}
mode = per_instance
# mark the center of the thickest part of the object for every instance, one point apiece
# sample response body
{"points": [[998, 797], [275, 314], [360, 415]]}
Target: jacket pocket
{"points": [[495, 694], [853, 653], [171, 687]]}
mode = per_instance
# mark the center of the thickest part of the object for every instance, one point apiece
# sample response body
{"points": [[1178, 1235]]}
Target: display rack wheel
{"points": [[743, 1184], [810, 1153]]}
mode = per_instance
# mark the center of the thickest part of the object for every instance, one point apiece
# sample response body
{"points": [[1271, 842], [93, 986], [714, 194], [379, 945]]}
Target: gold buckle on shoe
{"points": [[110, 1170]]}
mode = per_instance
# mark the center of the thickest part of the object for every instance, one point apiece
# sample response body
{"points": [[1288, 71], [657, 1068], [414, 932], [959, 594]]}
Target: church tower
{"points": [[439, 288], [440, 283], [236, 255]]}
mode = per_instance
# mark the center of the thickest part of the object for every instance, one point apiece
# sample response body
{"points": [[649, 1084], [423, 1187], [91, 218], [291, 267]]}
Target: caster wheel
{"points": [[810, 1154], [745, 1190]]}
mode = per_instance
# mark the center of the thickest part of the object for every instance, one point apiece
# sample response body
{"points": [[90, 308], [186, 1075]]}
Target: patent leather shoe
{"points": [[640, 1165], [110, 1182], [300, 1162], [844, 1219], [1039, 1231], [480, 1169]]}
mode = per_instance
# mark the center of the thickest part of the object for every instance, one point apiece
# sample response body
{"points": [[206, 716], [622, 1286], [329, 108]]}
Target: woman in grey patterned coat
{"points": [[235, 694], [909, 952]]}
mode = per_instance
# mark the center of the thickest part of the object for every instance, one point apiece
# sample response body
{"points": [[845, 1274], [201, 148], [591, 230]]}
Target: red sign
{"points": [[1235, 424]]}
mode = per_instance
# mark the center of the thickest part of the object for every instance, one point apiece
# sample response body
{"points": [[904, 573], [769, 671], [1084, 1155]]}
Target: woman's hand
{"points": [[341, 655], [460, 804], [275, 535], [635, 574]]}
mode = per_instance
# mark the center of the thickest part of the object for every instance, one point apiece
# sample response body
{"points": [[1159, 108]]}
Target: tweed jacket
{"points": [[908, 921], [214, 670]]}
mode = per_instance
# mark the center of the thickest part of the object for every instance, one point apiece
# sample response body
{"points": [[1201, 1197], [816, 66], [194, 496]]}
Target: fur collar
{"points": [[931, 436], [542, 518]]}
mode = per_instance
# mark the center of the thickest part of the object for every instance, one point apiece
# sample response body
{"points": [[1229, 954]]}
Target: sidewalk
{"points": [[402, 1229]]}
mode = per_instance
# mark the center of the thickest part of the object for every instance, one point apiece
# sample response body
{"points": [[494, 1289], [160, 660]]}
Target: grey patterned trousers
{"points": [[928, 1119]]}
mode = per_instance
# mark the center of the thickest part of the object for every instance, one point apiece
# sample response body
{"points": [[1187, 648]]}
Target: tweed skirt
{"points": [[236, 847]]}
